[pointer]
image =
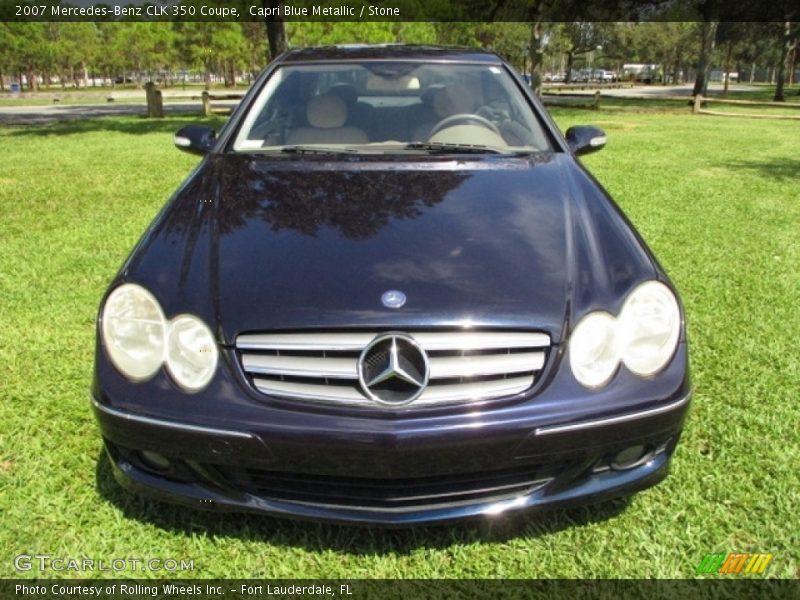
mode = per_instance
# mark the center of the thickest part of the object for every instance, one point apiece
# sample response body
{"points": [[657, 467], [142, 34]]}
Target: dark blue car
{"points": [[389, 293]]}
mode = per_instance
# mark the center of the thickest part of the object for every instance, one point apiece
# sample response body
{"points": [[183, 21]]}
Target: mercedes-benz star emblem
{"points": [[393, 369], [393, 299]]}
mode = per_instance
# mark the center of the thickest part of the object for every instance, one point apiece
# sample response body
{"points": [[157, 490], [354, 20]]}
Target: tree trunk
{"points": [[568, 75], [230, 75], [728, 56], [779, 83], [31, 80], [2, 83], [537, 57], [708, 34], [782, 65], [276, 31]]}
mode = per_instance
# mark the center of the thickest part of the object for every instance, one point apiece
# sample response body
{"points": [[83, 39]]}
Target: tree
{"points": [[74, 49], [316, 33], [215, 47], [8, 59], [276, 31], [257, 47], [789, 40], [26, 50], [581, 37], [708, 35], [708, 11]]}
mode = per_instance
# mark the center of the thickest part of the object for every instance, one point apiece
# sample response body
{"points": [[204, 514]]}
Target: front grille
{"points": [[397, 495], [465, 366]]}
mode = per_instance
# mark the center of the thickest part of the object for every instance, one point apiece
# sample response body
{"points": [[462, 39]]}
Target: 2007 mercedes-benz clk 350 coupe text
{"points": [[389, 293]]}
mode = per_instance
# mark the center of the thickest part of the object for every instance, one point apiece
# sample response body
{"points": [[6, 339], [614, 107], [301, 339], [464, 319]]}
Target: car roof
{"points": [[389, 52]]}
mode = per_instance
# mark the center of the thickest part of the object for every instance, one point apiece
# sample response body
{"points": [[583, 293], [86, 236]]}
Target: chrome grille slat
{"points": [[489, 364], [346, 368], [465, 366], [309, 342], [433, 394], [431, 341], [480, 340], [300, 366], [310, 391]]}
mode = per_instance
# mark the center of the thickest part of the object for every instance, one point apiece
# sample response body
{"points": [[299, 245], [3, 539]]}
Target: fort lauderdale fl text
{"points": [[172, 589]]}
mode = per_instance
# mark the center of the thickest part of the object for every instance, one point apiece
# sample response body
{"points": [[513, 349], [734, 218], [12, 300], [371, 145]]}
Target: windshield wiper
{"points": [[448, 148], [317, 150]]}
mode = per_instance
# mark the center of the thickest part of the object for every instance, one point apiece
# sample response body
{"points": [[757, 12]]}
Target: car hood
{"points": [[262, 243]]}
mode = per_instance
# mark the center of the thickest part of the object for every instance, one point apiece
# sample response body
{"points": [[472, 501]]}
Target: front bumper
{"points": [[396, 472]]}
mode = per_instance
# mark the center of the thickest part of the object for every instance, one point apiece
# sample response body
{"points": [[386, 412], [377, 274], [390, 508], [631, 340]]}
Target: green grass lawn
{"points": [[791, 110], [718, 200]]}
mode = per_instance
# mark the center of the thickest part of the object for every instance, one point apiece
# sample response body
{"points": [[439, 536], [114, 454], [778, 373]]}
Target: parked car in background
{"points": [[390, 293], [604, 76]]}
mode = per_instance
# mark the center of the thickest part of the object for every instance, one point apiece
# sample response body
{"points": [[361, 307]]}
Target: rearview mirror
{"points": [[585, 139], [195, 139]]}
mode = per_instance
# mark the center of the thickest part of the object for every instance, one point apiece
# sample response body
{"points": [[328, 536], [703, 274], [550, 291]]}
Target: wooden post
{"points": [[206, 104], [698, 103], [149, 89], [596, 104]]}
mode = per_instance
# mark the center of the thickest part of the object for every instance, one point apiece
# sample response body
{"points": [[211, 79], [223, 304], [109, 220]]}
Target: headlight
{"points": [[648, 328], [592, 349], [643, 337], [134, 331], [191, 352]]}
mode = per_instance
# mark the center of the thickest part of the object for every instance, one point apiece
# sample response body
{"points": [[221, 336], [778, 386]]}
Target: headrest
{"points": [[327, 111], [346, 92], [430, 93]]}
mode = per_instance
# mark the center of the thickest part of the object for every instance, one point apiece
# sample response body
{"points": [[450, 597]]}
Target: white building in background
{"points": [[641, 72]]}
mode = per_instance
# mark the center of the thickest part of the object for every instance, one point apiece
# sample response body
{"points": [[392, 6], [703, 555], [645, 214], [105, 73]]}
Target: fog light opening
{"points": [[631, 457], [155, 461]]}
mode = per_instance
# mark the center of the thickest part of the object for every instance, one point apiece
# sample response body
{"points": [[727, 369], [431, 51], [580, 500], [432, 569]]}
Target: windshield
{"points": [[390, 107]]}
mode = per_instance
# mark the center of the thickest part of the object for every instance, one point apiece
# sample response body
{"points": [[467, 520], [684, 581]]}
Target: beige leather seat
{"points": [[327, 115]]}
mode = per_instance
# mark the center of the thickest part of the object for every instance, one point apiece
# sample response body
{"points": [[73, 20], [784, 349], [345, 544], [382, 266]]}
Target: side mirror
{"points": [[195, 139], [585, 139]]}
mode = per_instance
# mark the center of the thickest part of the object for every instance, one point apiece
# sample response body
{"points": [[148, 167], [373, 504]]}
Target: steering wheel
{"points": [[477, 119]]}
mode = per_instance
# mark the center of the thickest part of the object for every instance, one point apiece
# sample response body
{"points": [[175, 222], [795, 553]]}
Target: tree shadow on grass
{"points": [[129, 124], [779, 169], [357, 540]]}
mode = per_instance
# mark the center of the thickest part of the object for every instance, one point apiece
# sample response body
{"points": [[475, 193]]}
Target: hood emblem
{"points": [[393, 299], [393, 369]]}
